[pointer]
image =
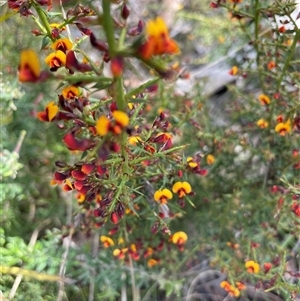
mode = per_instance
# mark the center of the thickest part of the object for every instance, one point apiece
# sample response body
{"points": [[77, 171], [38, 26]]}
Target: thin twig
{"points": [[94, 254], [31, 245], [68, 241]]}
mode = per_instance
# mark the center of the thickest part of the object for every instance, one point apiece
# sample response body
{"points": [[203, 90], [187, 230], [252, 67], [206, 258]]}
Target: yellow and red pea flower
{"points": [[78, 175], [296, 208], [70, 92], [72, 64], [241, 286], [58, 26], [148, 252], [158, 40], [191, 163], [152, 262], [80, 197], [232, 245], [134, 140], [75, 144], [150, 149], [182, 188], [49, 113], [283, 128], [106, 241], [116, 66], [262, 123], [264, 99], [233, 71], [232, 291], [267, 266], [68, 185], [29, 66], [279, 118], [104, 125], [165, 138], [162, 196], [120, 253], [252, 267], [62, 44], [87, 168], [133, 252], [271, 65], [55, 60], [210, 159], [162, 137], [179, 238]]}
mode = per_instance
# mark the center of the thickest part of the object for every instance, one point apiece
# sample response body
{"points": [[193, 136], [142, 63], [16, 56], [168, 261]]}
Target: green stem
{"points": [[83, 78], [109, 27], [288, 59], [118, 193], [120, 98], [20, 142], [256, 43], [122, 37], [284, 69], [156, 155], [142, 87], [43, 17]]}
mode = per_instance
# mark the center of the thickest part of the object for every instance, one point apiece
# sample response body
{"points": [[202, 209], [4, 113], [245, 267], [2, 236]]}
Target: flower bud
{"points": [[125, 12]]}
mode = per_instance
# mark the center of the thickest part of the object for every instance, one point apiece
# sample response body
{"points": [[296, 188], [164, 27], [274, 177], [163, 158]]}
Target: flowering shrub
{"points": [[154, 182]]}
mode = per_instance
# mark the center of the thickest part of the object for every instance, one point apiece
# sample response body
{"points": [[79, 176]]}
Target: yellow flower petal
{"points": [[210, 159], [187, 187], [121, 117], [62, 44], [29, 68], [102, 125], [264, 99], [252, 266], [52, 110], [179, 237]]}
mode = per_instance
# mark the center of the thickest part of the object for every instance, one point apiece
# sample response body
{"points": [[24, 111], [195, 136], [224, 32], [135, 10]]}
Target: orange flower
{"points": [[267, 267], [120, 253], [80, 197], [210, 159], [162, 196], [179, 238], [158, 40], [234, 70], [50, 112], [262, 123], [55, 60], [271, 65], [70, 92], [241, 286], [283, 128], [62, 45], [252, 267], [152, 262], [107, 241], [162, 137], [182, 188], [29, 67], [232, 245], [104, 125], [232, 291], [264, 99], [116, 66]]}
